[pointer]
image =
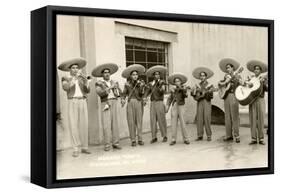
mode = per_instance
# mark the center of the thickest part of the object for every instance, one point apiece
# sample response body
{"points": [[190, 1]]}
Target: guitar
{"points": [[248, 93], [198, 93], [223, 89]]}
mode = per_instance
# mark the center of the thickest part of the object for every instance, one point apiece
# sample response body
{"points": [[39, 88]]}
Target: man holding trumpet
{"points": [[77, 87]]}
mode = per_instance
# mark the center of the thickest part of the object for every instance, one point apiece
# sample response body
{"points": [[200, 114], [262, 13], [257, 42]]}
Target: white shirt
{"points": [[77, 93], [111, 94]]}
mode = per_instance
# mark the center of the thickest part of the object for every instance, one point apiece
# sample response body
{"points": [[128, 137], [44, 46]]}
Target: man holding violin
{"points": [[77, 87], [133, 92], [156, 90], [176, 99], [203, 93]]}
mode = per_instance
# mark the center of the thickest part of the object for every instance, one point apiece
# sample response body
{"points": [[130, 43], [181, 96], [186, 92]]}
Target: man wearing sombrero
{"points": [[108, 91], [257, 107], [178, 93], [156, 90], [133, 92], [231, 106], [77, 88], [203, 94]]}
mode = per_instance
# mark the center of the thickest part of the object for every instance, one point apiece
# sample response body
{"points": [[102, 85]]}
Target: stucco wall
{"points": [[191, 45]]}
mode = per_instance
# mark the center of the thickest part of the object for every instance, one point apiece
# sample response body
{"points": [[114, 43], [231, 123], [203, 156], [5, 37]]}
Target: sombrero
{"points": [[171, 78], [158, 68], [65, 66], [253, 63], [98, 70], [224, 62], [134, 67], [196, 72]]}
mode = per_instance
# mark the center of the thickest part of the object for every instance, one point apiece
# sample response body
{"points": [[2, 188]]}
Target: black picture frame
{"points": [[43, 96]]}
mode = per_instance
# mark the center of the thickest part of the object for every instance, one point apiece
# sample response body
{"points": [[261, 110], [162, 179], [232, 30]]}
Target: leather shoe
{"points": [[153, 140], [172, 143], [85, 151]]}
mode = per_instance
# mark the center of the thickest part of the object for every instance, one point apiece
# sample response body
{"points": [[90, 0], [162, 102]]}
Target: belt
{"points": [[156, 100], [78, 98], [112, 98]]}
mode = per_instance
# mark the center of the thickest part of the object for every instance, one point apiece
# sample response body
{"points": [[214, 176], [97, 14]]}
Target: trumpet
{"points": [[84, 76]]}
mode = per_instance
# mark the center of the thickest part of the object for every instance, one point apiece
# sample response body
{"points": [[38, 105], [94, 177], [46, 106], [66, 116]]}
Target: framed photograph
{"points": [[127, 96]]}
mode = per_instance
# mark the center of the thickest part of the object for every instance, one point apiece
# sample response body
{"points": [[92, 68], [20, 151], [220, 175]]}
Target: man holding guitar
{"points": [[257, 106], [231, 81], [203, 93]]}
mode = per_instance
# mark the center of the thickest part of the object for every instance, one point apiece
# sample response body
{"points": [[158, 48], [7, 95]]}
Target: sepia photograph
{"points": [[142, 97]]}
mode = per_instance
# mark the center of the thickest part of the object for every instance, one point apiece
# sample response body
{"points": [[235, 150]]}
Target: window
{"points": [[147, 53]]}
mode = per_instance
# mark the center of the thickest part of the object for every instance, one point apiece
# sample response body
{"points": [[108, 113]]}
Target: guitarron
{"points": [[246, 94]]}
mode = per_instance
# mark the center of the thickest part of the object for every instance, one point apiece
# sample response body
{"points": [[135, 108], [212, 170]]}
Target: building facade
{"points": [[179, 46]]}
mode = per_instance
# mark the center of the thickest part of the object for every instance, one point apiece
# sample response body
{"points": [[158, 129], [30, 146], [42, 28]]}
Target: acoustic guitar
{"points": [[198, 93], [248, 93], [223, 89]]}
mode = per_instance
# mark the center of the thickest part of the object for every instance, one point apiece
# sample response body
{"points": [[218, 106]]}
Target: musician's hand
{"points": [[166, 108], [108, 90], [144, 102], [172, 89], [123, 102], [250, 85], [116, 85], [241, 82], [141, 83], [185, 87]]}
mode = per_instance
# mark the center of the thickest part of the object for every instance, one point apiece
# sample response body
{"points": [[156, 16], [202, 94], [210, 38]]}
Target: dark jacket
{"points": [[177, 97], [101, 90], [264, 88], [70, 89], [234, 82], [132, 93], [157, 92]]}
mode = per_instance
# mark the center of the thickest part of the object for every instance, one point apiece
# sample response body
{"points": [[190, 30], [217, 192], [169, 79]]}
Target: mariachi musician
{"points": [[156, 90], [231, 106], [176, 99], [133, 91], [77, 87], [203, 93], [257, 107], [108, 91]]}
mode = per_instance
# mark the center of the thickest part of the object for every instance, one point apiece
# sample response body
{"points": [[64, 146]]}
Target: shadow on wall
{"points": [[217, 116]]}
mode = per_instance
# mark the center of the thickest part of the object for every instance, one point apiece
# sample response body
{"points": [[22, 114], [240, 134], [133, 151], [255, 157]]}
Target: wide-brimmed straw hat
{"points": [[171, 78], [65, 66], [158, 68], [253, 63], [134, 67], [196, 72], [224, 62], [98, 70]]}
